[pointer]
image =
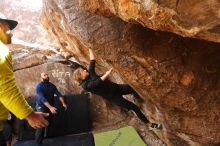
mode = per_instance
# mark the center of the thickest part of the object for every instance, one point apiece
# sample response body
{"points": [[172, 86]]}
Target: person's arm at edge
{"points": [[63, 102], [91, 68], [61, 98], [106, 75], [92, 57], [96, 82], [14, 101], [91, 54], [50, 107], [17, 105]]}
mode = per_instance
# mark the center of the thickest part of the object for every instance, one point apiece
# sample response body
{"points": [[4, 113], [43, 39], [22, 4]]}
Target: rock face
{"points": [[30, 63], [179, 78], [59, 74], [189, 18], [29, 31]]}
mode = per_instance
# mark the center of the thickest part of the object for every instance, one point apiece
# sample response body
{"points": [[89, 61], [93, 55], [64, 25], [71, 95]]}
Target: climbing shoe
{"points": [[154, 126]]}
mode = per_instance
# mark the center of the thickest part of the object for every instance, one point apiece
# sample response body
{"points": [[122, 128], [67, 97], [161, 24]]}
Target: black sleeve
{"points": [[94, 83], [92, 67]]}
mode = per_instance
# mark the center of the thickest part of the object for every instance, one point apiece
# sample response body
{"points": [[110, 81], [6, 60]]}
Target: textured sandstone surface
{"points": [[29, 63], [189, 18], [177, 77], [29, 31]]}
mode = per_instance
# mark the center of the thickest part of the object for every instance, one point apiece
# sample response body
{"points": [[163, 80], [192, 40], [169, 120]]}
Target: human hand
{"points": [[53, 110], [37, 120], [106, 74], [91, 54], [109, 71], [65, 106]]}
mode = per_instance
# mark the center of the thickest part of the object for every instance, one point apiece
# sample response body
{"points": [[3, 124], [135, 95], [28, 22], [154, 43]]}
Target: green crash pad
{"points": [[126, 136]]}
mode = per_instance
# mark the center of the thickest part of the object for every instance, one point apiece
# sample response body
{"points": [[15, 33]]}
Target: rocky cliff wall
{"points": [[189, 18], [177, 77], [29, 63]]}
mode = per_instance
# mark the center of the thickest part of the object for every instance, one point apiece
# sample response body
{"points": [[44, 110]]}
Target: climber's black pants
{"points": [[124, 89]]}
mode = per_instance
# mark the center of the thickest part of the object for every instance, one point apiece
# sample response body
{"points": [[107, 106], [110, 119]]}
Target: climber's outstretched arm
{"points": [[91, 54]]}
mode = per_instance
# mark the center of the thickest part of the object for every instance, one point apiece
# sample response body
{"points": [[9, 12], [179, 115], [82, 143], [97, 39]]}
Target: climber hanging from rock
{"points": [[111, 91]]}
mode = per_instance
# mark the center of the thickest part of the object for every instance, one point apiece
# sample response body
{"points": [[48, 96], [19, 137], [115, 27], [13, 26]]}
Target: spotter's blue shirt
{"points": [[45, 93]]}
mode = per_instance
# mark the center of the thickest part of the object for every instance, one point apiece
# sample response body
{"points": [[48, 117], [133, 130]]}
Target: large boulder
{"points": [[177, 77], [30, 63], [29, 31], [189, 18], [60, 75]]}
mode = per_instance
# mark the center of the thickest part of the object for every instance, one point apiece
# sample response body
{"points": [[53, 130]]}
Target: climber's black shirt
{"points": [[95, 85]]}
